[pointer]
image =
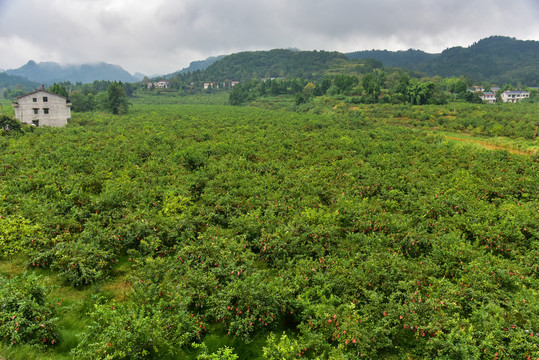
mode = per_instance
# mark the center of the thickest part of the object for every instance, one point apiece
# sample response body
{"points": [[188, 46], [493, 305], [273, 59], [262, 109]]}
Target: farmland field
{"points": [[186, 230]]}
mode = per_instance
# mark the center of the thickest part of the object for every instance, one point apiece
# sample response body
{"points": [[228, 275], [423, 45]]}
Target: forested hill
{"points": [[11, 81], [402, 59], [51, 72], [496, 59], [200, 64], [273, 64]]}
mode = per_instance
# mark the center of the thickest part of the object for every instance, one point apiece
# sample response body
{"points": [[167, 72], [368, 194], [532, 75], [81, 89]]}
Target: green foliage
{"points": [[419, 93], [58, 89], [77, 262], [81, 102], [116, 99], [224, 353], [344, 82], [239, 94], [346, 230], [25, 316], [9, 125], [13, 93], [155, 323], [282, 348], [470, 97], [16, 234], [276, 63], [97, 96]]}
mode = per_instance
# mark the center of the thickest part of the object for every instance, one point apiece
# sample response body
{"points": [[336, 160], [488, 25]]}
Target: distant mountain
{"points": [[272, 64], [12, 81], [200, 64], [496, 59], [50, 72], [139, 76]]}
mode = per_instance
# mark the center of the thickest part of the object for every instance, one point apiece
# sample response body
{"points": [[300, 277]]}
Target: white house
{"points": [[514, 96], [213, 85], [161, 84], [489, 97], [477, 88], [42, 108]]}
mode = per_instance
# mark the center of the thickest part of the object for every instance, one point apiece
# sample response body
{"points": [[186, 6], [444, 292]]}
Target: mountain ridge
{"points": [[51, 72], [496, 59]]}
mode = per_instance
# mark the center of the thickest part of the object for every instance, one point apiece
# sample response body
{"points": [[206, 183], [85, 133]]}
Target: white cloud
{"points": [[161, 36]]}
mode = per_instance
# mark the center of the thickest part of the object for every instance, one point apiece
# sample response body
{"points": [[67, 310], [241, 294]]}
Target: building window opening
{"points": [[45, 111], [35, 122], [45, 99], [34, 99], [36, 111]]}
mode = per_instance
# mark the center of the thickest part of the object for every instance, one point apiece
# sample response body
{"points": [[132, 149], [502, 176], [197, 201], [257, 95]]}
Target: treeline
{"points": [[393, 86], [101, 95]]}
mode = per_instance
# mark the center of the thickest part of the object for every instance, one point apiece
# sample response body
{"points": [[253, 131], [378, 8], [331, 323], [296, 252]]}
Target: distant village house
{"points": [[161, 84], [215, 85], [42, 108], [513, 96], [489, 97], [477, 88], [509, 96]]}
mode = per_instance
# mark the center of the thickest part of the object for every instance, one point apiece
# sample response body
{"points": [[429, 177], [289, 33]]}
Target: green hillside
{"points": [[11, 82], [276, 63], [496, 59], [401, 59]]}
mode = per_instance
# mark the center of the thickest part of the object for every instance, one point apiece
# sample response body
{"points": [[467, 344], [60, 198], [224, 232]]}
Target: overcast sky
{"points": [[163, 36]]}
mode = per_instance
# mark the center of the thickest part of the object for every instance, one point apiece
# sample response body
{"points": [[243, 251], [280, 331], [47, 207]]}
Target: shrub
{"points": [[78, 263], [9, 124], [15, 231], [153, 324], [25, 317]]}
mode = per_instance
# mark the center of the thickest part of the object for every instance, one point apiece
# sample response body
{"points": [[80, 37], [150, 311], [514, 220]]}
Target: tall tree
{"points": [[116, 100], [58, 89], [372, 84]]}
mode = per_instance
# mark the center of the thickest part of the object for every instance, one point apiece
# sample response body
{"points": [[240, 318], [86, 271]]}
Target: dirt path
{"points": [[488, 145]]}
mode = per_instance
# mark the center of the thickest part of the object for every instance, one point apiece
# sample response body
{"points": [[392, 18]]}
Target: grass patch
{"points": [[72, 306], [520, 147], [13, 266], [6, 108]]}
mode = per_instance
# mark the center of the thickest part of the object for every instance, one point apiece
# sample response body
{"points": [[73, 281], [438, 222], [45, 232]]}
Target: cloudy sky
{"points": [[162, 36]]}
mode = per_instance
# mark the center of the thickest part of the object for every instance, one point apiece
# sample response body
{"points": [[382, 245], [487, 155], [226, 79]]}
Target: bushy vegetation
{"points": [[9, 125], [25, 316], [332, 233]]}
